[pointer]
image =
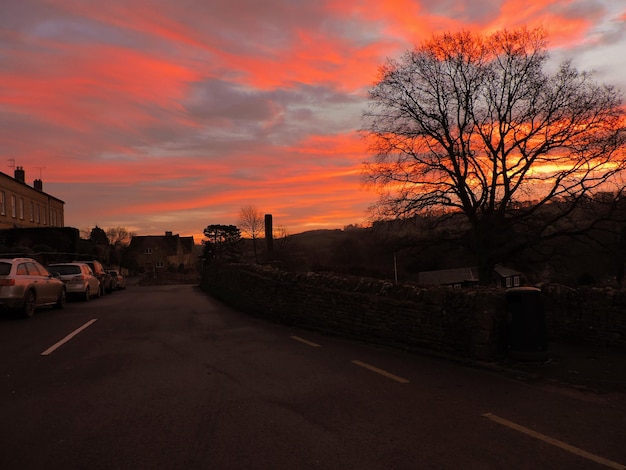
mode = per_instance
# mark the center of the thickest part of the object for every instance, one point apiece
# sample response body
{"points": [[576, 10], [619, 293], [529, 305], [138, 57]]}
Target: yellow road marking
{"points": [[555, 442], [302, 340], [381, 372], [55, 346]]}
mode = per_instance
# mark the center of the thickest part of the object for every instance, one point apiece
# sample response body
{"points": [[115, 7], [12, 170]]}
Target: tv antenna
{"points": [[40, 168], [12, 160]]}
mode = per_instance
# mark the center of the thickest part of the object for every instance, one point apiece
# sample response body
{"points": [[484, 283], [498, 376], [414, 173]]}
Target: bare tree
{"points": [[119, 239], [281, 236], [476, 126], [251, 222], [119, 236]]}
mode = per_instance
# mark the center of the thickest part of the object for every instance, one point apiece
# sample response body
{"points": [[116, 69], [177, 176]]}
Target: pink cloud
{"points": [[165, 108]]}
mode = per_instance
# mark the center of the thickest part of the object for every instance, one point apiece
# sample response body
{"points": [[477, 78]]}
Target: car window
{"points": [[35, 269], [5, 269], [43, 271], [65, 269], [21, 270]]}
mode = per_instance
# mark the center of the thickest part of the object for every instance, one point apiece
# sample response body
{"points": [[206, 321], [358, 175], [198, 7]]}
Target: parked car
{"points": [[78, 278], [106, 281], [119, 281], [26, 285]]}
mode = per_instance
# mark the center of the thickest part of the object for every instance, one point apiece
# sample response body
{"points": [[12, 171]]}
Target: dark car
{"points": [[119, 281], [106, 280]]}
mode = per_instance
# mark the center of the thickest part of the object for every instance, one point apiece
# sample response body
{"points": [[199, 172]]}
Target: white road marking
{"points": [[381, 372], [555, 442], [52, 348], [302, 340]]}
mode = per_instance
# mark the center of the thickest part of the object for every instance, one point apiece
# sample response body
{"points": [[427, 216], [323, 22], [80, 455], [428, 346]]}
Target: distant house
{"points": [[507, 277], [467, 277], [162, 252], [457, 277]]}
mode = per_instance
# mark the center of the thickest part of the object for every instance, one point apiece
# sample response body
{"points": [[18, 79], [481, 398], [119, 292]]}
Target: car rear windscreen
{"points": [[64, 269]]}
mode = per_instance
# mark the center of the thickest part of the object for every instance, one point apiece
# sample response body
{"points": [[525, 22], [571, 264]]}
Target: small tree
{"points": [[98, 236], [475, 126], [252, 224], [223, 244]]}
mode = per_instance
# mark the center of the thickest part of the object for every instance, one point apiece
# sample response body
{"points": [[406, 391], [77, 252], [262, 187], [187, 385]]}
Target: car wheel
{"points": [[87, 295], [61, 300], [30, 301]]}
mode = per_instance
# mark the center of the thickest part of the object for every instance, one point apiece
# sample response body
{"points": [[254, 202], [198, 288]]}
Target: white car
{"points": [[26, 285], [78, 278]]}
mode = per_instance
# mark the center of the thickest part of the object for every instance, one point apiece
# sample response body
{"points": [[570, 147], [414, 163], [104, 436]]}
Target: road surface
{"points": [[165, 377]]}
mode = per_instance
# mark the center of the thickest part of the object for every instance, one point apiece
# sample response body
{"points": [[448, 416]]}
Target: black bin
{"points": [[527, 337]]}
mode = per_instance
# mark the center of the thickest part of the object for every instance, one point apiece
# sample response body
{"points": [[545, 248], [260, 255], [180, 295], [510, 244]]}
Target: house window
{"points": [[37, 214], [159, 264], [21, 208], [32, 211], [516, 281], [509, 282], [45, 215], [147, 251], [3, 204], [13, 206]]}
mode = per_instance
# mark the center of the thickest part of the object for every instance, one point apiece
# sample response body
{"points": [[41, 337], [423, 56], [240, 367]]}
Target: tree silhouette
{"points": [[252, 224], [98, 236], [475, 126], [223, 244]]}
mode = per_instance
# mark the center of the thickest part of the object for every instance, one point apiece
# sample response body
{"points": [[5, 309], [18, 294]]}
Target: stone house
{"points": [[154, 253], [24, 206], [468, 277]]}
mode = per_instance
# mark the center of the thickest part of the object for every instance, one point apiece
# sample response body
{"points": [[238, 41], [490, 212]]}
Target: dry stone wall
{"points": [[447, 321], [468, 323]]}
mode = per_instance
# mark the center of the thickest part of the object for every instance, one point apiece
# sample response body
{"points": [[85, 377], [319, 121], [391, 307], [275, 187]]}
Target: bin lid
{"points": [[523, 289]]}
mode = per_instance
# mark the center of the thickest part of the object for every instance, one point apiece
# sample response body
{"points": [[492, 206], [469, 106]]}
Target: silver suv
{"points": [[26, 285]]}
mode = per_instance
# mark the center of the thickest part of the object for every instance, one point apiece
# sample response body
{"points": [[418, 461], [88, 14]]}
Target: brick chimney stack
{"points": [[20, 174], [38, 185]]}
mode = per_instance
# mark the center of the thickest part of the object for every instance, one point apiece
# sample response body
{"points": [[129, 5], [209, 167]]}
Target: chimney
{"points": [[38, 185], [20, 175], [269, 236], [169, 234]]}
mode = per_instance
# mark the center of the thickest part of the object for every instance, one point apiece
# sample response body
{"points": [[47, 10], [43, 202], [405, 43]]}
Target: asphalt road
{"points": [[168, 378]]}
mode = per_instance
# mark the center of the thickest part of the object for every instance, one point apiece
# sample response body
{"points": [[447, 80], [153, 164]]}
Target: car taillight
{"points": [[7, 282], [80, 277]]}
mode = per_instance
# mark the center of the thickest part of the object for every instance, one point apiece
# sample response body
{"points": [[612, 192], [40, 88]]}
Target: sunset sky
{"points": [[160, 115]]}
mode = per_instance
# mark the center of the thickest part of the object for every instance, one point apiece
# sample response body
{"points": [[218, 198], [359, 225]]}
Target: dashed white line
{"points": [[555, 442], [381, 372], [310, 343], [55, 346]]}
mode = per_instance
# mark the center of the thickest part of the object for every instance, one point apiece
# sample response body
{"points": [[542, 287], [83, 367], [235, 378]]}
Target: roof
{"points": [[503, 271], [449, 276], [4, 175], [171, 242]]}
